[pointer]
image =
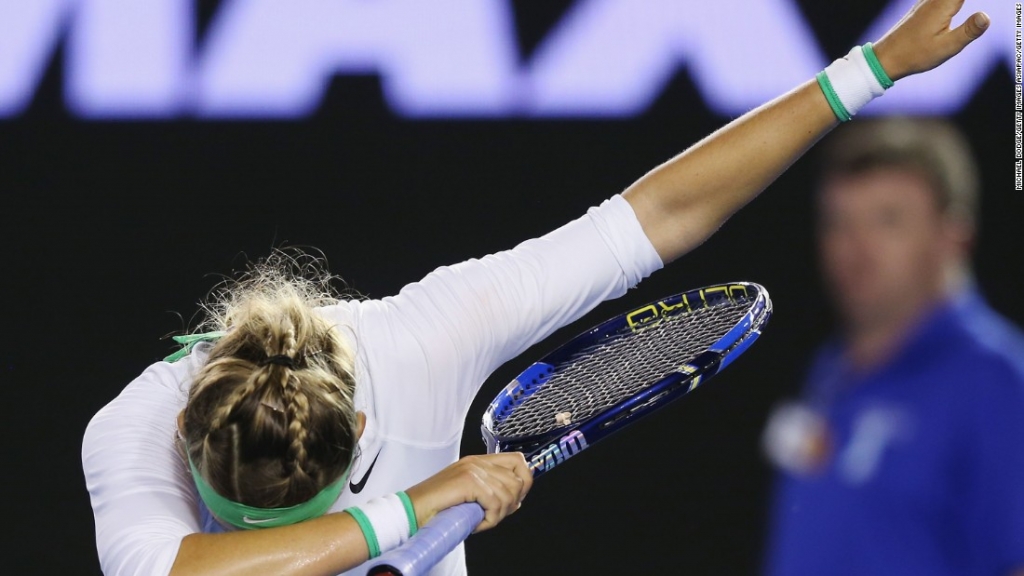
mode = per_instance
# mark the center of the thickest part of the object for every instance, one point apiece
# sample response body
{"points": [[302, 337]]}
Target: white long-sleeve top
{"points": [[421, 357]]}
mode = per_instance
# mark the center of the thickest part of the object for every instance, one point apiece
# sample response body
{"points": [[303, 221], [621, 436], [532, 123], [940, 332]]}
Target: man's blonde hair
{"points": [[933, 147]]}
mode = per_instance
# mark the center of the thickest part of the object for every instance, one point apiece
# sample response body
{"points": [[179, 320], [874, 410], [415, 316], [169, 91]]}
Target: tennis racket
{"points": [[594, 385]]}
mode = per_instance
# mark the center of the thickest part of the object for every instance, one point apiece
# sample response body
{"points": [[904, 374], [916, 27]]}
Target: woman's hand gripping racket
{"points": [[594, 385]]}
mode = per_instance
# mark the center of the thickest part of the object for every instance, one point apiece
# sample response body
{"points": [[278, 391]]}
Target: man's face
{"points": [[884, 244]]}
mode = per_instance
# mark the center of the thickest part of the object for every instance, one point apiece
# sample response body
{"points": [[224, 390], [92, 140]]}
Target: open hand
{"points": [[923, 39]]}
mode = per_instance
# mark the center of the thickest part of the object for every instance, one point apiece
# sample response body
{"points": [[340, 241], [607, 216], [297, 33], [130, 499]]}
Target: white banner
{"points": [[442, 59]]}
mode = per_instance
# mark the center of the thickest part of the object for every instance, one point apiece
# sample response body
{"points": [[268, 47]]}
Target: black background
{"points": [[113, 231]]}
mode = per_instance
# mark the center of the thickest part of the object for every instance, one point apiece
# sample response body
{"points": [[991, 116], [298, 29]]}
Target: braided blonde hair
{"points": [[273, 434]]}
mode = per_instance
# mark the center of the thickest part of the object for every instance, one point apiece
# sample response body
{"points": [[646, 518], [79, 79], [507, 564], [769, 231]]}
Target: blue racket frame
{"points": [[551, 449], [545, 452]]}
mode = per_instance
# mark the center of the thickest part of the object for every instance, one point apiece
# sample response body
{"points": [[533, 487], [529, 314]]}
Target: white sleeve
{"points": [[430, 348], [142, 497]]}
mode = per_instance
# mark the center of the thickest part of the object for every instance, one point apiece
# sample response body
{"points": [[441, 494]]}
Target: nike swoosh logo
{"points": [[357, 487], [248, 520]]}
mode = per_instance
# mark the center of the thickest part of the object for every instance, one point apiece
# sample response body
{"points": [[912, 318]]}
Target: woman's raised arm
{"points": [[682, 202]]}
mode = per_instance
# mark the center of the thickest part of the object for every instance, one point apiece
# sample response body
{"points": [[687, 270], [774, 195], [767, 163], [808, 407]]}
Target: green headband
{"points": [[188, 341], [250, 517], [241, 515]]}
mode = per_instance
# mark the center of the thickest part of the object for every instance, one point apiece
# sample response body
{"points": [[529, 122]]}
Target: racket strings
{"points": [[603, 374]]}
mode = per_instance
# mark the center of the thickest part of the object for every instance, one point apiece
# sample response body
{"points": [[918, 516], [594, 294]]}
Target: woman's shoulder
{"points": [[159, 392]]}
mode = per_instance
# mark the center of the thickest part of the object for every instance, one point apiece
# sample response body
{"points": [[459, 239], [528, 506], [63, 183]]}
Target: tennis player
{"points": [[308, 434], [905, 453]]}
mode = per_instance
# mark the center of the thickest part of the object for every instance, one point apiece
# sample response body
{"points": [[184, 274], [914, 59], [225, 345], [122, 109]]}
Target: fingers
{"points": [[922, 39], [973, 28], [502, 481], [498, 482], [494, 495], [515, 462], [968, 32], [522, 471]]}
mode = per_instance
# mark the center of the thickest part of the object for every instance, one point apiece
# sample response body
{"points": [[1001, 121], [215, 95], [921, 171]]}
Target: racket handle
{"points": [[431, 543]]}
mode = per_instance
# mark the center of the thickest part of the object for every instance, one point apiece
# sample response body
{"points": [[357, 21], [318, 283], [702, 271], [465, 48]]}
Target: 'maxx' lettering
{"points": [[443, 58]]}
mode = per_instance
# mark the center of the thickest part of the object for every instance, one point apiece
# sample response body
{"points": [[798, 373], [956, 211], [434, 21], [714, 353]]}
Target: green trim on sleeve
{"points": [[832, 97], [876, 66], [368, 532], [410, 512]]}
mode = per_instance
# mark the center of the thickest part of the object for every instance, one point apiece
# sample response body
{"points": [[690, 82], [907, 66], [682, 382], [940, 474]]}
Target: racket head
{"points": [[623, 368]]}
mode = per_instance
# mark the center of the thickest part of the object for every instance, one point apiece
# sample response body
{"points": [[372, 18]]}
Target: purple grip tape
{"points": [[431, 543]]}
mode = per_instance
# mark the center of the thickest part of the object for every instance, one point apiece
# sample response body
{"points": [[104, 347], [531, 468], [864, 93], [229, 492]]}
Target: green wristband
{"points": [[876, 66], [832, 97], [410, 512], [368, 532]]}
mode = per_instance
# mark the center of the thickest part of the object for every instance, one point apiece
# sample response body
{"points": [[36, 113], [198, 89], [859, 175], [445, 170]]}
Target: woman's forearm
{"points": [[323, 546], [334, 543], [683, 201]]}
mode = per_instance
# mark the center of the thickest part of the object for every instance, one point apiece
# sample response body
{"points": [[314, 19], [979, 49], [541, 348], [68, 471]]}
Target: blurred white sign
{"points": [[444, 58]]}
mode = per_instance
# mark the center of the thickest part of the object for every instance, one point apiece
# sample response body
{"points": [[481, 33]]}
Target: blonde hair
{"points": [[932, 146], [273, 435]]}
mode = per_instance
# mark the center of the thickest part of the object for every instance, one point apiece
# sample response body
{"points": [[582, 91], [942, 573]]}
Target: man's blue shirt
{"points": [[926, 469]]}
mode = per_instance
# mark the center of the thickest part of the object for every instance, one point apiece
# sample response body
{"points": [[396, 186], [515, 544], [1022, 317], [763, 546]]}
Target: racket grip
{"points": [[431, 543]]}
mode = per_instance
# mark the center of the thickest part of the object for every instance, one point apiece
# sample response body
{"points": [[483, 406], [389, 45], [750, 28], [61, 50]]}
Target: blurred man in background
{"points": [[905, 455]]}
